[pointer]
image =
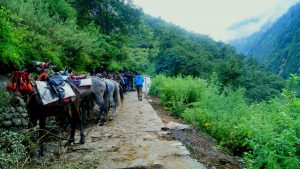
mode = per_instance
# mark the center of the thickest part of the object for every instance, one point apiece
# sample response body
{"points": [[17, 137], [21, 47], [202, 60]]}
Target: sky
{"points": [[222, 20]]}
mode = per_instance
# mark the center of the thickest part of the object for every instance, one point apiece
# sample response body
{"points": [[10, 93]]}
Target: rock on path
{"points": [[134, 139]]}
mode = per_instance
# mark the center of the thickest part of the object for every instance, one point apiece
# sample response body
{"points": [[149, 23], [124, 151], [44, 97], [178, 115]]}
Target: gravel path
{"points": [[133, 140]]}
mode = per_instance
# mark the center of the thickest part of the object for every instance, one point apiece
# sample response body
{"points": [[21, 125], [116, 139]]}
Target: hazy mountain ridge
{"points": [[278, 45]]}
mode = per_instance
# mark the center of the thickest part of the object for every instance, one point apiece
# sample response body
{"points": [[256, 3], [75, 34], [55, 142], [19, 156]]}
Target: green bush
{"points": [[267, 134], [178, 93], [4, 98], [12, 151]]}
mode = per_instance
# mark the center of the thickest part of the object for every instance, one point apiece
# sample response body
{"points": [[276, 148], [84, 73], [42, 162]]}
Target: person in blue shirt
{"points": [[138, 81]]}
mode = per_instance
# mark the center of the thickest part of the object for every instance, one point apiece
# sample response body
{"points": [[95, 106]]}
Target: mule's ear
{"points": [[55, 68]]}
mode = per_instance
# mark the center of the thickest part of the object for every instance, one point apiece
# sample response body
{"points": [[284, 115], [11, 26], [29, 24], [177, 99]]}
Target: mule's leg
{"points": [[90, 108], [113, 105], [84, 112], [32, 121], [81, 133], [140, 93], [31, 124], [73, 127], [102, 117], [80, 120], [72, 134], [42, 134]]}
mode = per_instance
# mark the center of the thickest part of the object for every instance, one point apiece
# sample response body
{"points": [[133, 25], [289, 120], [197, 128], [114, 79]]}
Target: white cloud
{"points": [[214, 17]]}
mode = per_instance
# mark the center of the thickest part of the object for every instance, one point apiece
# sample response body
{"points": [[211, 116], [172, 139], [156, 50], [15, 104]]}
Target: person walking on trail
{"points": [[130, 81], [138, 81]]}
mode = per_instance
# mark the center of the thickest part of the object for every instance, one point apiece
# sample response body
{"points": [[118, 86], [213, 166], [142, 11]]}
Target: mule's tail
{"points": [[76, 103], [118, 94], [121, 93]]}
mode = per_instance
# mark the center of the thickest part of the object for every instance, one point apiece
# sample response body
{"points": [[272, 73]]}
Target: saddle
{"points": [[54, 92], [82, 83], [56, 84], [84, 76]]}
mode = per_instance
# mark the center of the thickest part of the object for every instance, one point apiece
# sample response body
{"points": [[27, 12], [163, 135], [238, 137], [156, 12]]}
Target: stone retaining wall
{"points": [[15, 117]]}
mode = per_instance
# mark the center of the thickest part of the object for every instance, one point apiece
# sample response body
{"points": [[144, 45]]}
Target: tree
{"points": [[12, 34]]}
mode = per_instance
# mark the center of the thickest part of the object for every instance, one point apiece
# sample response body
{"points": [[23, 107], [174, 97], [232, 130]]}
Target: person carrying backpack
{"points": [[138, 81]]}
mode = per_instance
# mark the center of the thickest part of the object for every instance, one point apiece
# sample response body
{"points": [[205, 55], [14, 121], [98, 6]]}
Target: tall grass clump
{"points": [[266, 134], [178, 93]]}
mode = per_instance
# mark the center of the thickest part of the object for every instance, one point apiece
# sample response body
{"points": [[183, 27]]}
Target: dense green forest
{"points": [[278, 45], [115, 35]]}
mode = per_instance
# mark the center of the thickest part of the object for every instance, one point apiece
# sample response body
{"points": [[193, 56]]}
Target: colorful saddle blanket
{"points": [[48, 97]]}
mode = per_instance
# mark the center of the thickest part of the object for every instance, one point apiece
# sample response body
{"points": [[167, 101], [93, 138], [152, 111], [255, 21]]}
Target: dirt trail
{"points": [[134, 139]]}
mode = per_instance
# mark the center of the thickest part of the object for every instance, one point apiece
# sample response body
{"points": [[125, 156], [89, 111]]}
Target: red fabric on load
{"points": [[43, 76], [13, 82], [25, 82]]}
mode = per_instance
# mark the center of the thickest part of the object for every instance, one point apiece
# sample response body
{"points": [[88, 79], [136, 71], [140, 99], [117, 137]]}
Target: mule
{"points": [[96, 92], [39, 112], [114, 96]]}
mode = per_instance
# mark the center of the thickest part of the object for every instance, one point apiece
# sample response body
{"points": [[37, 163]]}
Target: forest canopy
{"points": [[115, 35]]}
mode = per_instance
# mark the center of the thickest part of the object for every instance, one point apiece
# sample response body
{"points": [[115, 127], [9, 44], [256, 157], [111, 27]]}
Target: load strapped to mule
{"points": [[52, 88], [20, 82]]}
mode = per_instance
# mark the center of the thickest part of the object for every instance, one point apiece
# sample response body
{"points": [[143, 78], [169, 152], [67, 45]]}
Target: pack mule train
{"points": [[38, 111], [105, 93]]}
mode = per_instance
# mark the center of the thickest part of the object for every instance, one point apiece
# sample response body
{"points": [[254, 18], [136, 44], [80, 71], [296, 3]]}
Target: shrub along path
{"points": [[134, 139], [201, 146]]}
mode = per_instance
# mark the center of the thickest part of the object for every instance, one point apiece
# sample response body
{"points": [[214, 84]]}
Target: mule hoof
{"points": [[69, 143], [81, 141], [102, 122], [40, 153]]}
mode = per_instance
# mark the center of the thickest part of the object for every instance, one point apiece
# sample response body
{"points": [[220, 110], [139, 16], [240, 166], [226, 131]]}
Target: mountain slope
{"points": [[278, 46], [174, 51]]}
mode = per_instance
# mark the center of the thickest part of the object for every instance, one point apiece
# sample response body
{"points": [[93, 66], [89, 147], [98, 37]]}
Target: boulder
{"points": [[7, 123], [24, 122], [22, 103], [17, 122], [15, 115], [8, 116], [12, 109], [24, 114], [177, 126], [2, 117], [20, 109]]}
